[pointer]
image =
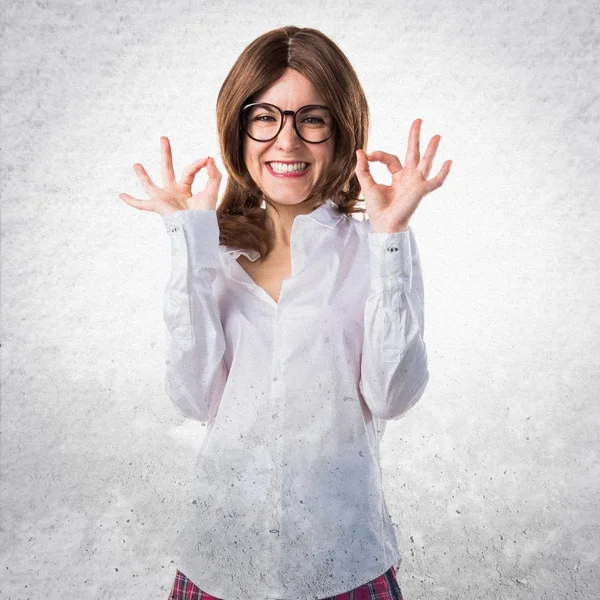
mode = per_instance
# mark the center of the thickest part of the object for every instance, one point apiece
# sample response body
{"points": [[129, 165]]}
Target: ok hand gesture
{"points": [[390, 207], [176, 195]]}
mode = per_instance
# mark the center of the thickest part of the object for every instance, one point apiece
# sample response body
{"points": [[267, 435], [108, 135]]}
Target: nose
{"points": [[288, 138]]}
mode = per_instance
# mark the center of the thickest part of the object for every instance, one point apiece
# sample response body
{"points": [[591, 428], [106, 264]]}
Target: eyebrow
{"points": [[303, 105]]}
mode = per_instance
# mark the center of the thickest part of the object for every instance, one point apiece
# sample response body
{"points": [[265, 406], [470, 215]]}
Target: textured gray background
{"points": [[493, 478]]}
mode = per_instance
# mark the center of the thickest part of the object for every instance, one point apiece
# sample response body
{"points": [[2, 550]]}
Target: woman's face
{"points": [[291, 92]]}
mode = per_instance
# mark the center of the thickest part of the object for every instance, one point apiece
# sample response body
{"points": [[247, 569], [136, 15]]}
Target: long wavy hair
{"points": [[243, 223]]}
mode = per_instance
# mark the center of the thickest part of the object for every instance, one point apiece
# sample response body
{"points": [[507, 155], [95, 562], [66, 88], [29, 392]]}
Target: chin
{"points": [[287, 199]]}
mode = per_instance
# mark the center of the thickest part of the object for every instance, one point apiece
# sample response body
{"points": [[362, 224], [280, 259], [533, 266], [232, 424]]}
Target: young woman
{"points": [[295, 331]]}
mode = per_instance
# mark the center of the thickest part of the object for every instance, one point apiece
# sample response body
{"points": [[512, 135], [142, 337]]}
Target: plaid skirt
{"points": [[384, 587]]}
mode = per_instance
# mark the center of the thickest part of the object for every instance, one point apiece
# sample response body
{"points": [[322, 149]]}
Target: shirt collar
{"points": [[327, 214]]}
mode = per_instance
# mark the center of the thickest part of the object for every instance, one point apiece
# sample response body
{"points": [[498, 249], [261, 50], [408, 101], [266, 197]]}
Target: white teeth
{"points": [[288, 168]]}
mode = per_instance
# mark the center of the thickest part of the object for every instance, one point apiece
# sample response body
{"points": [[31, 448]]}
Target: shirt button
{"points": [[393, 249], [174, 229], [273, 530]]}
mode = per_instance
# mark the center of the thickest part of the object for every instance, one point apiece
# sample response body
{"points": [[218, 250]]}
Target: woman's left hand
{"points": [[390, 207]]}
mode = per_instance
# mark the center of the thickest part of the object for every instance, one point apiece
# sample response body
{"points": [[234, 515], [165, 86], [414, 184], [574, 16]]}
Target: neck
{"points": [[282, 222]]}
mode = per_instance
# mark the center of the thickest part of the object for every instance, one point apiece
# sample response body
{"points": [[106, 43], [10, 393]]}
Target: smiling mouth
{"points": [[285, 168]]}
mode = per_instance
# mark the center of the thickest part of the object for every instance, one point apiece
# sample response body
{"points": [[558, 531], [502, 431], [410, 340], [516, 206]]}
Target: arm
{"points": [[394, 370], [195, 371]]}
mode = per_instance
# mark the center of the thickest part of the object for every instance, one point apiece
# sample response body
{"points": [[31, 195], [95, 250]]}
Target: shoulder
{"points": [[360, 226]]}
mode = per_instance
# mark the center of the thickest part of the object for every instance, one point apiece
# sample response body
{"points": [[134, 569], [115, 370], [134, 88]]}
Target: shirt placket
{"points": [[281, 345], [275, 410]]}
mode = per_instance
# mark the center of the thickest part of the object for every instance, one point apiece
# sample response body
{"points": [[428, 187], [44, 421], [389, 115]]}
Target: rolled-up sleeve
{"points": [[394, 371], [195, 374]]}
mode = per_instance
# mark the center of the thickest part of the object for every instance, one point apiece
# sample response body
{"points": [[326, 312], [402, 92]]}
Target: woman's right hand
{"points": [[176, 195]]}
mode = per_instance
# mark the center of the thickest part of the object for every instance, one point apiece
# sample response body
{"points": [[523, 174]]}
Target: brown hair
{"points": [[242, 222]]}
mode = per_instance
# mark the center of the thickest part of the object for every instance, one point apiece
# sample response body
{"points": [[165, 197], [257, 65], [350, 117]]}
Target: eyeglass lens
{"points": [[262, 122]]}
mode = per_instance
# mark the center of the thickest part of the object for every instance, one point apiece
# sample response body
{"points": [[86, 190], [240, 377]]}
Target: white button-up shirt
{"points": [[288, 500]]}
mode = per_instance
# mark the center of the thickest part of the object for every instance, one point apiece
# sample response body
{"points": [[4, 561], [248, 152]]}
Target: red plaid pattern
{"points": [[384, 587]]}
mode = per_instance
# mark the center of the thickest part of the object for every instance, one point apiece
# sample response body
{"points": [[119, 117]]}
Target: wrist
{"points": [[396, 229]]}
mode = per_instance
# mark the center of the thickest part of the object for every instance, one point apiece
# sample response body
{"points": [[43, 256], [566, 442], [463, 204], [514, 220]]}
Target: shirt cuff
{"points": [[391, 261], [198, 231]]}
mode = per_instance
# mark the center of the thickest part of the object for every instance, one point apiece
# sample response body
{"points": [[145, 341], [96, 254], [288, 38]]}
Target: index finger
{"points": [[391, 161]]}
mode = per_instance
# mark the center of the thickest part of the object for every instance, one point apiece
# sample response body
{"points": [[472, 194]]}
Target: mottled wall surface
{"points": [[492, 479]]}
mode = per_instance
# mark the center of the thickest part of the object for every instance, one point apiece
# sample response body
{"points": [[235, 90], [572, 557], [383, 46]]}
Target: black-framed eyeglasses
{"points": [[262, 122]]}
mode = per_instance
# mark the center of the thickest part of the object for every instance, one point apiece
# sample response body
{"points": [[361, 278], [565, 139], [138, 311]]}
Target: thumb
{"points": [[363, 173]]}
